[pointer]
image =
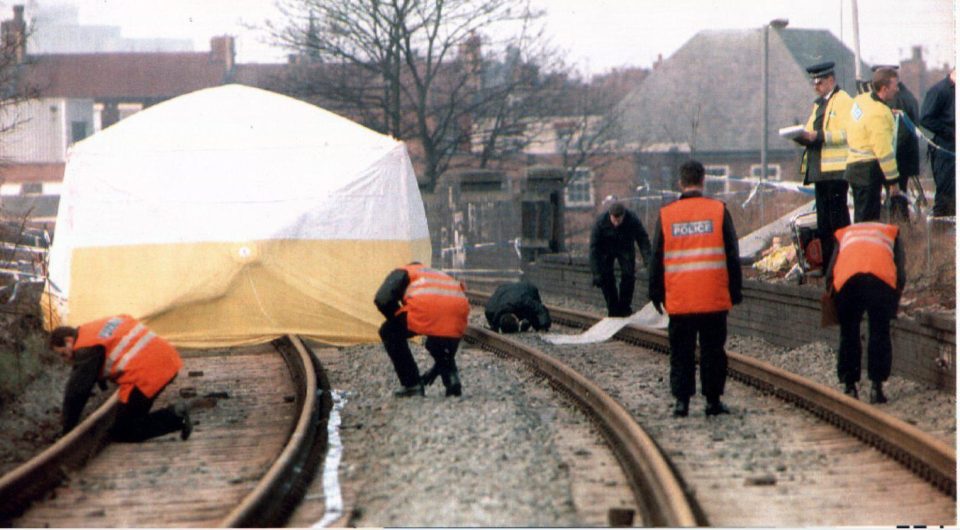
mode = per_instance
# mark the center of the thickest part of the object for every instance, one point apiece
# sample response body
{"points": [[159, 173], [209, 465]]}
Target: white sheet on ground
{"points": [[608, 327]]}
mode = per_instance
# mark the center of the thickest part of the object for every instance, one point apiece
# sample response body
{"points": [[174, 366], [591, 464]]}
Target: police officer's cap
{"points": [[820, 70], [893, 67]]}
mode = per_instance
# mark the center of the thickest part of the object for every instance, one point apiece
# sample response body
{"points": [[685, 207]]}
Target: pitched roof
{"points": [[123, 75], [708, 94]]}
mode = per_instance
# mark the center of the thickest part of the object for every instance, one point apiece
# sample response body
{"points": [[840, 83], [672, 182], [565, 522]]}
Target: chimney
{"points": [[659, 61], [917, 53], [13, 32], [222, 50]]}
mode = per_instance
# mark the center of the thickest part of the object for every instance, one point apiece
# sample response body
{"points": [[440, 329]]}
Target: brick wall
{"points": [[924, 349]]}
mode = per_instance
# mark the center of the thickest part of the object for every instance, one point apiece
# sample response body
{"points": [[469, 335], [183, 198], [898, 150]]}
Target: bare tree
{"points": [[409, 68], [14, 89]]}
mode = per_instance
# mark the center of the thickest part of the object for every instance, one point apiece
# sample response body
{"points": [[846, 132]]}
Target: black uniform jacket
{"points": [[523, 300], [657, 288], [937, 113], [908, 147], [87, 363], [607, 240], [391, 292]]}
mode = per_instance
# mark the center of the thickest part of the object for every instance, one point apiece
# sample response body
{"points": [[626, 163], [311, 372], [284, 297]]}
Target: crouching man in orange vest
{"points": [[124, 351], [695, 273], [867, 275], [417, 300]]}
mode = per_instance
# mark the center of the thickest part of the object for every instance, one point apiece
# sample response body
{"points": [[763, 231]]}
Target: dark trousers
{"points": [[135, 422], [618, 300], [867, 201], [944, 167], [865, 293], [832, 214], [395, 335], [683, 331]]}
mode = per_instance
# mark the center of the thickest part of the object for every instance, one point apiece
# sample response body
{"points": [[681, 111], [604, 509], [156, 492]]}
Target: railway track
{"points": [[255, 444], [255, 425], [928, 462]]}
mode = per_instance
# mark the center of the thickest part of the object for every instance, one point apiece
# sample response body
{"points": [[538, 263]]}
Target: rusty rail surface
{"points": [[267, 503], [656, 488], [922, 453]]}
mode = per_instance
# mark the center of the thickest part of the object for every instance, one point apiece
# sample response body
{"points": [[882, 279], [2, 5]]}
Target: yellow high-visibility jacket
{"points": [[833, 153], [872, 135]]}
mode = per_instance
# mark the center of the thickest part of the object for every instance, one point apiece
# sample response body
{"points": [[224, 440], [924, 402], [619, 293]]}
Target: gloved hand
{"points": [[658, 307], [596, 280]]}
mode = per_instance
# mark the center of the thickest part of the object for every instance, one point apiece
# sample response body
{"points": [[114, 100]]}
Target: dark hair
{"points": [[617, 209], [59, 335], [691, 174], [881, 77], [509, 323]]}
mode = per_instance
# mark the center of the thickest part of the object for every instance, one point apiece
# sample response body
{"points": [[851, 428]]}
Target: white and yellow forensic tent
{"points": [[233, 215]]}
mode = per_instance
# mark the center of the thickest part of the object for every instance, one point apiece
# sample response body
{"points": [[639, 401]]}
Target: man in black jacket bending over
{"points": [[612, 240], [516, 307]]}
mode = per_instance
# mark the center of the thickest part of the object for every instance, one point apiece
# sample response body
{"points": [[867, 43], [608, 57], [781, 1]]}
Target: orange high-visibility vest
{"points": [[136, 356], [435, 303], [694, 259], [866, 248]]}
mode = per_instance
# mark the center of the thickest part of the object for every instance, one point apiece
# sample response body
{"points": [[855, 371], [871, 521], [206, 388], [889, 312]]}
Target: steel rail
{"points": [[656, 488], [33, 478], [925, 455], [267, 504], [281, 487]]}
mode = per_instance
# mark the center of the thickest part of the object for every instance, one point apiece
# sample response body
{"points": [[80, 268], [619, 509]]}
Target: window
{"points": [[716, 181], [773, 171], [717, 171], [31, 188], [578, 192], [78, 131]]}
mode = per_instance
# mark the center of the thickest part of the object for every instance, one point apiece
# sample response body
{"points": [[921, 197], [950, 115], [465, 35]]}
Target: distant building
{"points": [[56, 28], [704, 102]]}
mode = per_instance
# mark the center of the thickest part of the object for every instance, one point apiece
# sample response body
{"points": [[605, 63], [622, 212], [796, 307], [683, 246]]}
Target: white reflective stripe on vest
{"points": [[686, 253], [434, 290], [135, 350], [879, 240], [436, 281], [695, 266], [118, 350]]}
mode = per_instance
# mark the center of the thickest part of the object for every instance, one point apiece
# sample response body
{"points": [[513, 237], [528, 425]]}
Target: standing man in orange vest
{"points": [[867, 275], [417, 300], [695, 274], [122, 350]]}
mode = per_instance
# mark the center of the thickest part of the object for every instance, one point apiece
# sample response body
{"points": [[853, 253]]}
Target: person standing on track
{"points": [[122, 350], [418, 300], [867, 276], [612, 240], [695, 274]]}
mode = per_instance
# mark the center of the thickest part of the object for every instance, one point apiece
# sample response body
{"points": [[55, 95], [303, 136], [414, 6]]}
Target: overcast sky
{"points": [[599, 34]]}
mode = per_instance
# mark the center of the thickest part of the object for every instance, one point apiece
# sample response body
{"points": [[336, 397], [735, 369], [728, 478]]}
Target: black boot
{"points": [[183, 411], [681, 408], [876, 393], [851, 390], [407, 391], [451, 380], [715, 407]]}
